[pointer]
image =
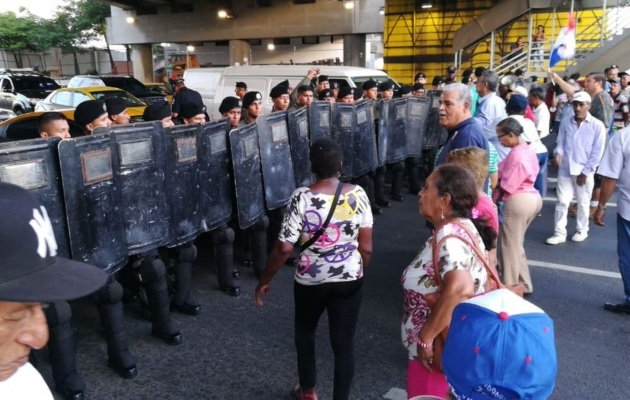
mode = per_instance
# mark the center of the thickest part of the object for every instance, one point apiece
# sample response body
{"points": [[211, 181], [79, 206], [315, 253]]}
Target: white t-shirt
{"points": [[542, 118], [615, 165], [26, 383]]}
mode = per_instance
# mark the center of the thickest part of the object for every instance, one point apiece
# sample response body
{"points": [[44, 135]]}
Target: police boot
{"points": [[151, 273], [258, 237], [62, 351], [223, 240], [397, 178], [182, 302], [379, 187], [412, 164], [110, 311]]}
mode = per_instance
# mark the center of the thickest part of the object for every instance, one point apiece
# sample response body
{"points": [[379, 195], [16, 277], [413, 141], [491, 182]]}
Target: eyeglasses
{"points": [[503, 134]]}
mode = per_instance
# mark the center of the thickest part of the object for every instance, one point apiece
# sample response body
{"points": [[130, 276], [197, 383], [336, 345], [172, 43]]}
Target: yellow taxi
{"points": [[24, 126], [71, 97], [161, 88]]}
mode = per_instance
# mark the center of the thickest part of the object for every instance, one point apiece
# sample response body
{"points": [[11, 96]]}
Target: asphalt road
{"points": [[236, 350]]}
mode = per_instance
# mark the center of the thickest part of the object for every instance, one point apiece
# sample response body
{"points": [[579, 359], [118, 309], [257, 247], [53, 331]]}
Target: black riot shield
{"points": [[364, 142], [93, 200], [275, 159], [343, 127], [250, 195], [182, 183], [435, 135], [215, 174], [397, 143], [33, 164], [139, 173], [417, 116], [319, 120], [383, 132], [298, 137]]}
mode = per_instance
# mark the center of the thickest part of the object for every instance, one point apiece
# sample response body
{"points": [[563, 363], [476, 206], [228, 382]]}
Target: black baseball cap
{"points": [[88, 111], [438, 80], [451, 69], [419, 75], [30, 270], [156, 112]]}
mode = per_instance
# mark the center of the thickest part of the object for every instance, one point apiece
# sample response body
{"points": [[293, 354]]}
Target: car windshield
{"points": [[128, 84], [129, 100], [34, 83], [358, 80]]}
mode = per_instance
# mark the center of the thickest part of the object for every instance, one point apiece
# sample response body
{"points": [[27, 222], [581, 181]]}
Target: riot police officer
{"points": [[386, 90], [240, 90], [304, 97], [230, 108], [346, 95], [252, 104], [91, 114], [192, 113], [327, 95], [183, 96], [280, 96], [117, 111], [159, 112]]}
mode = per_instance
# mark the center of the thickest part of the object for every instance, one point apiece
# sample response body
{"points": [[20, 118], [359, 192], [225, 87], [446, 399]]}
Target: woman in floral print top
{"points": [[446, 201]]}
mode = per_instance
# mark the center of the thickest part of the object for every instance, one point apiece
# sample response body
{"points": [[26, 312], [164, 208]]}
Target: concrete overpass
{"points": [[294, 27]]}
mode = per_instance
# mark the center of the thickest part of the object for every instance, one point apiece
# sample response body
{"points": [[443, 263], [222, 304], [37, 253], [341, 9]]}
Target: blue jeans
{"points": [[623, 252], [541, 179]]}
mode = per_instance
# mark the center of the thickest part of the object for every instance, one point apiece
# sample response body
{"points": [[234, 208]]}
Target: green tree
{"points": [[26, 32]]}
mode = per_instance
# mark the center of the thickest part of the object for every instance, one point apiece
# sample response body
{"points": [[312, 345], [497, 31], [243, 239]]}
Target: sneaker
{"points": [[556, 239], [300, 395], [579, 236]]}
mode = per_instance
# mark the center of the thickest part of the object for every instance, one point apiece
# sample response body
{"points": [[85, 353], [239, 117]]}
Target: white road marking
{"points": [[554, 199], [580, 270], [552, 179], [396, 394]]}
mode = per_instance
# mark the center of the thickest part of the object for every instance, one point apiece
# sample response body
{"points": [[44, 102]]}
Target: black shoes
{"points": [[397, 197], [123, 372], [621, 308], [188, 309], [231, 290], [376, 210], [173, 339]]}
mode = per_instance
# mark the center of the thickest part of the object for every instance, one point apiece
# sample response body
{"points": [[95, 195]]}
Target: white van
{"points": [[214, 84]]}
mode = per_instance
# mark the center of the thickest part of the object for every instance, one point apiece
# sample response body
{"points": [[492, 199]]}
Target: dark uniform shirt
{"points": [[185, 96]]}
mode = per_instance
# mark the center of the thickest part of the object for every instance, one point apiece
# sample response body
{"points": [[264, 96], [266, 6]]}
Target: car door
{"points": [[6, 94], [61, 100]]}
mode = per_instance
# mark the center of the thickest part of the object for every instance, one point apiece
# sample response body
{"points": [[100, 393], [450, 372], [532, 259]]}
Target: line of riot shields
{"points": [[128, 189]]}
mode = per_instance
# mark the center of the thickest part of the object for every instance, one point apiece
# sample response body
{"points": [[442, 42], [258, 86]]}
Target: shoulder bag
{"points": [[322, 229]]}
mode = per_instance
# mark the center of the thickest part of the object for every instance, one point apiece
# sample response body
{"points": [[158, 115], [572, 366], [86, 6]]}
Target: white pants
{"points": [[567, 187]]}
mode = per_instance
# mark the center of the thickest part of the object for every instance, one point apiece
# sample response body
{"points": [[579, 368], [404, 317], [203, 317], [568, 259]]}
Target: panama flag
{"points": [[564, 48]]}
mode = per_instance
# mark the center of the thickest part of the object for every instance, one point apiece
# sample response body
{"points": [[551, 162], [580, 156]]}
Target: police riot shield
{"points": [[275, 159], [319, 120], [33, 164], [215, 175], [182, 183], [435, 135], [250, 195], [397, 143], [139, 173], [383, 130], [298, 137], [364, 158], [343, 127], [93, 200], [417, 116]]}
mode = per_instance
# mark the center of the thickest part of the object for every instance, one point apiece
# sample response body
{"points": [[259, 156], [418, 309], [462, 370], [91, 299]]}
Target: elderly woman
{"points": [[521, 202], [329, 273], [446, 200]]}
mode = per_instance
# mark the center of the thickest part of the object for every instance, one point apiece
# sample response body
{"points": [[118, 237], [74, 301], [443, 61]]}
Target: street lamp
{"points": [[381, 10], [271, 46], [190, 49], [426, 5], [349, 5], [130, 20]]}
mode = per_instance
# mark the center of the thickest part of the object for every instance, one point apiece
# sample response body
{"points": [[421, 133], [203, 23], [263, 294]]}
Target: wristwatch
{"points": [[601, 208]]}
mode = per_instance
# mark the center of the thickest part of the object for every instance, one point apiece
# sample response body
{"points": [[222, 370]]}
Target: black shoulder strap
{"points": [[321, 230]]}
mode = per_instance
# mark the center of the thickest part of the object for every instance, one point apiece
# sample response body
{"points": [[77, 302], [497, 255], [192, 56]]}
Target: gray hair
{"points": [[463, 92], [492, 79]]}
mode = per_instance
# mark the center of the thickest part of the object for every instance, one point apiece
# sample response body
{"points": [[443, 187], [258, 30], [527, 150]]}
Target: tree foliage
{"points": [[20, 33]]}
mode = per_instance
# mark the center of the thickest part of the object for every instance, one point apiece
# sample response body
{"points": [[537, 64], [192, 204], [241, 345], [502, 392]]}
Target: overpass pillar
{"points": [[142, 58], [240, 52], [354, 50]]}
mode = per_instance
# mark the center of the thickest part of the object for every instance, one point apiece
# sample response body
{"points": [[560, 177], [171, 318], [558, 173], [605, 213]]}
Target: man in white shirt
{"points": [[542, 117], [581, 143], [30, 275], [615, 172]]}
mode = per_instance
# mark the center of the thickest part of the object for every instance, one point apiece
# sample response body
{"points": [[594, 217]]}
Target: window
{"points": [[78, 98], [118, 94], [6, 85], [25, 129], [62, 99], [35, 83]]}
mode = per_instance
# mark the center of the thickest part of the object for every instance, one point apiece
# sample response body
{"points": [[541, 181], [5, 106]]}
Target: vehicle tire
{"points": [[19, 111]]}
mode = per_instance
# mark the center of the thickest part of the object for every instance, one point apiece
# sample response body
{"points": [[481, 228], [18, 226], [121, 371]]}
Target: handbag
{"points": [[440, 339], [322, 229]]}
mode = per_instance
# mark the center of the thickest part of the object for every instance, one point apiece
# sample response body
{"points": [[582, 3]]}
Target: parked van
{"points": [[214, 84]]}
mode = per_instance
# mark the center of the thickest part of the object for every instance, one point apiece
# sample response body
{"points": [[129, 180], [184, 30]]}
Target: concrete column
{"points": [[142, 58], [240, 52], [354, 50]]}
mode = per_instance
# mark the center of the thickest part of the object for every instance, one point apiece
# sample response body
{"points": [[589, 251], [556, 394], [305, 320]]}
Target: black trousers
{"points": [[342, 301]]}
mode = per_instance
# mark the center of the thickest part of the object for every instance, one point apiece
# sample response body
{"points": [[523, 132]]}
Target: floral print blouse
{"points": [[335, 256], [418, 279]]}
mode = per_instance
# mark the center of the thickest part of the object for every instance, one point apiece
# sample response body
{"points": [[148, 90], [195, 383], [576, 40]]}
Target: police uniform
{"points": [[250, 97], [185, 96]]}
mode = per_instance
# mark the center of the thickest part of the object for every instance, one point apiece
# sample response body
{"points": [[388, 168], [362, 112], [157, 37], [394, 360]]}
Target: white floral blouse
{"points": [[418, 278]]}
